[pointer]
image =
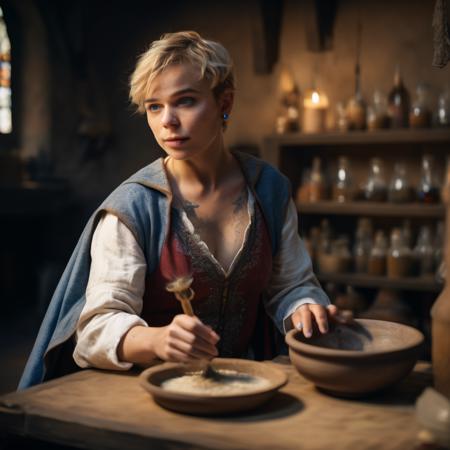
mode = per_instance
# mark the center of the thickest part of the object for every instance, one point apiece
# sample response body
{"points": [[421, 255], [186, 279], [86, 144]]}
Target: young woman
{"points": [[226, 219]]}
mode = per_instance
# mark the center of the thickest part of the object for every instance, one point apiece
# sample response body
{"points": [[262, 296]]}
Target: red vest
{"points": [[230, 303]]}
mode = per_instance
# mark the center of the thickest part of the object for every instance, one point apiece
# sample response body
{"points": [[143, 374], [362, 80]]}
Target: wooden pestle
{"points": [[181, 288]]}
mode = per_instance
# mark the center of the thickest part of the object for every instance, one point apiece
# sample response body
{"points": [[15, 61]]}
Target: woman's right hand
{"points": [[185, 339]]}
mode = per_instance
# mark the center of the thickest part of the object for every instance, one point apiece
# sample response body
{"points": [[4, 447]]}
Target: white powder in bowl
{"points": [[230, 382]]}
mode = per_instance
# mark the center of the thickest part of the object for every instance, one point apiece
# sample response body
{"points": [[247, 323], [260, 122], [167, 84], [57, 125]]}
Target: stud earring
{"points": [[225, 116]]}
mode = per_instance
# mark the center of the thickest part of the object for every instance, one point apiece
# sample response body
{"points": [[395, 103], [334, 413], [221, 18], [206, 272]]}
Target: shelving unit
{"points": [[368, 281], [406, 136], [373, 209], [292, 153]]}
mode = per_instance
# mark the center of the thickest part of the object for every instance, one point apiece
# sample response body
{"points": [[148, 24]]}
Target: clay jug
{"points": [[440, 312]]}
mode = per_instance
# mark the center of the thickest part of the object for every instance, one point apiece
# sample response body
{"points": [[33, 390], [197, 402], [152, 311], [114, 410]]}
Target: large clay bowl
{"points": [[152, 378], [355, 360]]}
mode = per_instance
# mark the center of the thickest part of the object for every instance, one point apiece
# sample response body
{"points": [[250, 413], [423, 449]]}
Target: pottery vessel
{"points": [[358, 359], [201, 404]]}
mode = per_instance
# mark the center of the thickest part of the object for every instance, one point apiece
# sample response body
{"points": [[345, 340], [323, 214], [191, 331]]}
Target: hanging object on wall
{"points": [[319, 25], [441, 30], [266, 35]]}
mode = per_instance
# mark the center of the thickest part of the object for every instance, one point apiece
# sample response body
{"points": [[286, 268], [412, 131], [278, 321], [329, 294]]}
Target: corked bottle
{"points": [[440, 312]]}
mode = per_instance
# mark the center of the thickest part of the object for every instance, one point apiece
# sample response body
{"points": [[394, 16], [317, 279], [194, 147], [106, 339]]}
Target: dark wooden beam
{"points": [[266, 35], [320, 24]]}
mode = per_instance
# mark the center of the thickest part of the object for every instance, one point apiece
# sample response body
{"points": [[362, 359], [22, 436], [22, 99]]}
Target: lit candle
{"points": [[315, 106]]}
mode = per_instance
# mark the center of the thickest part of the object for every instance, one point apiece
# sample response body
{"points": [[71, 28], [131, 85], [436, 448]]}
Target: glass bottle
{"points": [[288, 118], [443, 112], [324, 244], [314, 239], [302, 194], [340, 251], [377, 113], [342, 188], [399, 260], [439, 248], [316, 182], [400, 190], [341, 117], [375, 188], [363, 244], [420, 115], [378, 253], [356, 112], [407, 232], [424, 252], [429, 186], [398, 102]]}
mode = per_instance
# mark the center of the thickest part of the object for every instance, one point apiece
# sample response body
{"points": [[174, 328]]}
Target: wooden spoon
{"points": [[181, 288]]}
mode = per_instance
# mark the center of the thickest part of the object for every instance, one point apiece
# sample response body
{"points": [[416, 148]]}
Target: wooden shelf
{"points": [[373, 209], [362, 280], [333, 138]]}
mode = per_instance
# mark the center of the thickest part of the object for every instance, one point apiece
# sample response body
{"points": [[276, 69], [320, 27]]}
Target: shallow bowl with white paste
{"points": [[247, 384]]}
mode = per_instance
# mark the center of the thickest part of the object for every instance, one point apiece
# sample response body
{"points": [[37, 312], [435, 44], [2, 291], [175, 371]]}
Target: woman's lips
{"points": [[176, 142]]}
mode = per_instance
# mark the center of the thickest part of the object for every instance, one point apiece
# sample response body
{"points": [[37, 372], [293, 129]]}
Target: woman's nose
{"points": [[169, 118]]}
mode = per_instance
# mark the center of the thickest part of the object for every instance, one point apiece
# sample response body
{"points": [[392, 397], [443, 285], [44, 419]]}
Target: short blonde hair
{"points": [[210, 57]]}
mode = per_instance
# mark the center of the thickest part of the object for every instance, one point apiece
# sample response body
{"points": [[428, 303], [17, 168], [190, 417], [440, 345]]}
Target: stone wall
{"points": [[115, 33]]}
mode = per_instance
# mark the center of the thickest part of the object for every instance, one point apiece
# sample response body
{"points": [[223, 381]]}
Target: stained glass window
{"points": [[5, 79]]}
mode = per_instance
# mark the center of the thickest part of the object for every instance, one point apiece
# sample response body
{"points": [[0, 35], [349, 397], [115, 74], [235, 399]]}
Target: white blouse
{"points": [[114, 294]]}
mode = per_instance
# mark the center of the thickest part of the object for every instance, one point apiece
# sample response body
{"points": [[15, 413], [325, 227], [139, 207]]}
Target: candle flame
{"points": [[315, 97]]}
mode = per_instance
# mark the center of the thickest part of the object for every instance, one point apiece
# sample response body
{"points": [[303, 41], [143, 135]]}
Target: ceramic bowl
{"points": [[358, 359], [201, 404]]}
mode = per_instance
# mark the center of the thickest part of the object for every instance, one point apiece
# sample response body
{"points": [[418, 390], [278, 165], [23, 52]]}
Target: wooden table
{"points": [[109, 410]]}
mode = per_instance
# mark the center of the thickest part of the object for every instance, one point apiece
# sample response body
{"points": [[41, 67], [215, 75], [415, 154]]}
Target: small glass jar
{"points": [[377, 112], [362, 246], [339, 259], [314, 240], [375, 188], [317, 188], [378, 254], [341, 117], [420, 115], [429, 186], [399, 260], [443, 112], [325, 235], [342, 187], [400, 190], [407, 233], [424, 253], [356, 113]]}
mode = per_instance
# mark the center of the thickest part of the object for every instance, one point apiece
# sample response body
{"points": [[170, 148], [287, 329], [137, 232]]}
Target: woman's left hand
{"points": [[305, 315]]}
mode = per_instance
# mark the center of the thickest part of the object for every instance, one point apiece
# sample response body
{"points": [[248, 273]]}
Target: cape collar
{"points": [[154, 175]]}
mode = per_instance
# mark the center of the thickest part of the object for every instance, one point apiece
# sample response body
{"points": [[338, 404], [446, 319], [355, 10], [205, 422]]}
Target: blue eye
{"points": [[186, 101], [153, 107]]}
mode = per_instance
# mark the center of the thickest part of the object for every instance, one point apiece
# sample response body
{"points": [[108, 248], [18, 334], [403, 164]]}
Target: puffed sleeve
{"points": [[293, 282], [113, 296]]}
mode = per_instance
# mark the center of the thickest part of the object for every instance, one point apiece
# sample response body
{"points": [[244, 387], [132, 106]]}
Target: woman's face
{"points": [[183, 113]]}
